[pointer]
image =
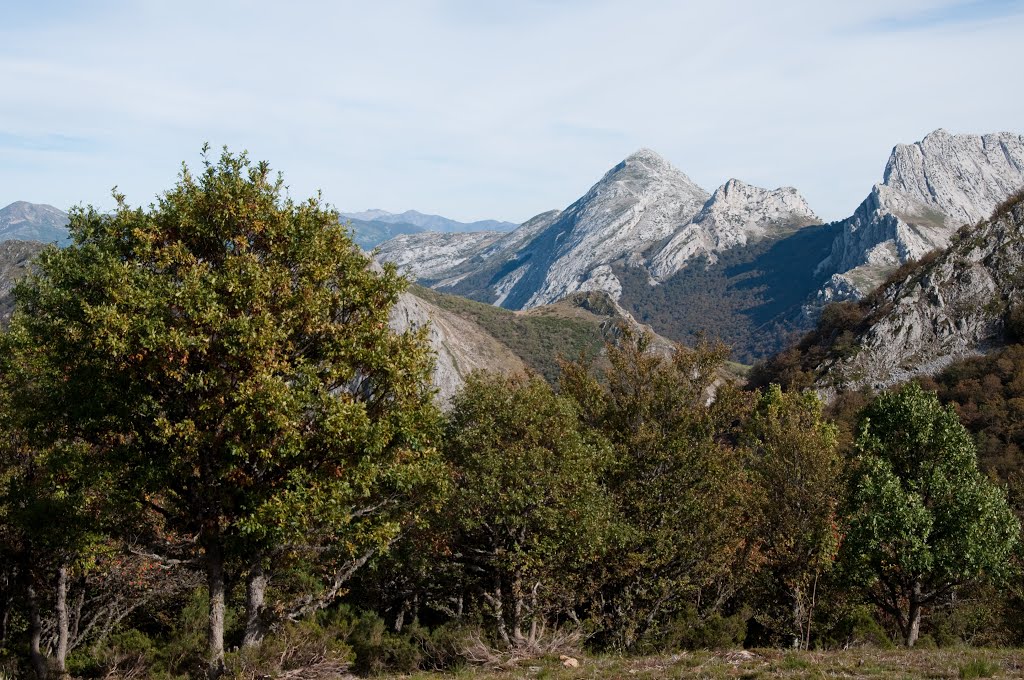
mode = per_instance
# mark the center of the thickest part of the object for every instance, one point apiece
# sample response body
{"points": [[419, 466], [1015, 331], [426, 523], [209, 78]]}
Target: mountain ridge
{"points": [[428, 222], [929, 189]]}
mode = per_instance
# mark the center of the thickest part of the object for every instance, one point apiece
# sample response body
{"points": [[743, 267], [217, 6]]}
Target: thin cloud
{"points": [[494, 110], [952, 14]]}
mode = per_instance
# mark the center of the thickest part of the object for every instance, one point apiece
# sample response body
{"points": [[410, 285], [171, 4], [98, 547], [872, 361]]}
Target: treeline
{"points": [[218, 459]]}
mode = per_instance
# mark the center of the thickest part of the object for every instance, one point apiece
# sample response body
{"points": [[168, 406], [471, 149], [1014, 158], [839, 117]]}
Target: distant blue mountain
{"points": [[23, 221], [429, 222], [368, 234]]}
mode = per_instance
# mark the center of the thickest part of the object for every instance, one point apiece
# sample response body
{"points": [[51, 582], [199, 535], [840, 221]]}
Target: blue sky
{"points": [[477, 109]]}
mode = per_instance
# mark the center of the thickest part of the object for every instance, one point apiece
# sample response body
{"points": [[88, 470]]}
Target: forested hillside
{"points": [[220, 459]]}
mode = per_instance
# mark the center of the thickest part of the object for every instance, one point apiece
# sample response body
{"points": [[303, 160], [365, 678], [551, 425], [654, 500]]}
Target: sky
{"points": [[481, 109]]}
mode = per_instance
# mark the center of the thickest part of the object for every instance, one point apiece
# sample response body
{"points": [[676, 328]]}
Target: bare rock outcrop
{"points": [[929, 190], [956, 304]]}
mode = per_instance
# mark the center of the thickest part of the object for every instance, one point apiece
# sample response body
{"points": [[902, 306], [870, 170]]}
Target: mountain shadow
{"points": [[751, 298]]}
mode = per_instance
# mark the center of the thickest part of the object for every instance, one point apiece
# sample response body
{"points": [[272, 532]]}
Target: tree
{"points": [[232, 366], [676, 478], [922, 519], [797, 471], [530, 515], [44, 474]]}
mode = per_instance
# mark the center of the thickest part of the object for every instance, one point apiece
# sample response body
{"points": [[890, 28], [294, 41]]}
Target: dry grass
{"points": [[766, 664]]}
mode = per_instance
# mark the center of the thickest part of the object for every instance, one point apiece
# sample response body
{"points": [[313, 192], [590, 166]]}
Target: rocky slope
{"points": [[736, 214], [15, 261], [24, 221], [959, 302], [460, 345], [429, 255], [643, 213], [929, 190]]}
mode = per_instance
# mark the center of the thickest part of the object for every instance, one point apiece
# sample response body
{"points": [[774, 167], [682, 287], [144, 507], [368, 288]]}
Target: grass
{"points": [[538, 337], [979, 668], [766, 664]]}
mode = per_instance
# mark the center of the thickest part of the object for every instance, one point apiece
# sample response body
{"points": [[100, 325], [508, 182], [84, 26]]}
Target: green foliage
{"points": [[858, 627], [922, 518], [529, 511], [979, 668], [797, 471], [377, 650], [690, 630], [677, 482], [988, 395], [227, 356]]}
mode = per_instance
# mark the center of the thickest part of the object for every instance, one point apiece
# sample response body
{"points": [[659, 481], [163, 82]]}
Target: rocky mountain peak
{"points": [[26, 221], [929, 189], [647, 157], [736, 214], [645, 172], [964, 176]]}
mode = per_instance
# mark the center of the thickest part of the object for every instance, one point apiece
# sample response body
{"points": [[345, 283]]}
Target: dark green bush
{"points": [[858, 627], [378, 650], [689, 630]]}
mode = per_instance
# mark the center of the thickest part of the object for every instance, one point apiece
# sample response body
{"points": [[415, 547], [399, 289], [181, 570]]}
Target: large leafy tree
{"points": [[923, 520], [797, 471], [676, 478], [230, 363], [529, 514]]}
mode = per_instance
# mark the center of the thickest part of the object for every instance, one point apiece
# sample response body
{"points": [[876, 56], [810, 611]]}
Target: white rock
{"points": [[929, 190]]}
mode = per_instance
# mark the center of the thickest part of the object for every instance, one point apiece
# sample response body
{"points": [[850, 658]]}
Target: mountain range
{"points": [[748, 264], [648, 247], [39, 222], [427, 222]]}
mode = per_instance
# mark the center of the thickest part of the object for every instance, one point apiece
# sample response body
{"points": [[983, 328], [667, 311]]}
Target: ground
{"points": [[766, 664]]}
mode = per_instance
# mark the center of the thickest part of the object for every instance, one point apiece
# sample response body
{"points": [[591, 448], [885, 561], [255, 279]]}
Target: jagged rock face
{"points": [[929, 190], [952, 307], [33, 222], [640, 201], [643, 213], [964, 176], [736, 214]]}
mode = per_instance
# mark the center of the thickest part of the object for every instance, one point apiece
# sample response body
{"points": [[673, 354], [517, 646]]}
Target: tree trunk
{"points": [[63, 620], [40, 664], [255, 594], [914, 616], [215, 587], [810, 612], [8, 594], [798, 620]]}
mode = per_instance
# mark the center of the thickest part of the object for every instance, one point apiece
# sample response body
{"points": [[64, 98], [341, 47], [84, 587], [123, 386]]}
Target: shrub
{"points": [[691, 631], [378, 650], [295, 645], [979, 668], [859, 628]]}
